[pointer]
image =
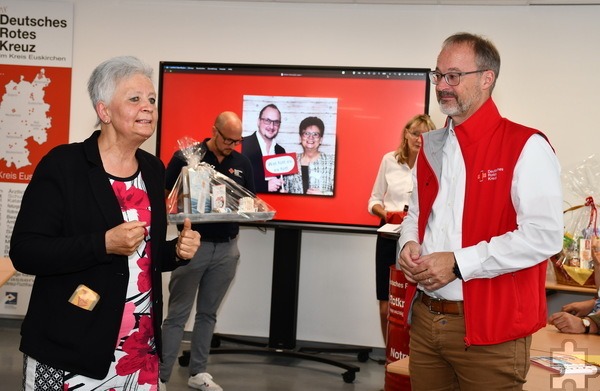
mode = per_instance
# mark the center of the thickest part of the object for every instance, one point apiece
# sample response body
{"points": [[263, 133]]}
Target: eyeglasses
{"points": [[452, 78], [414, 133], [270, 121], [311, 134], [229, 141]]}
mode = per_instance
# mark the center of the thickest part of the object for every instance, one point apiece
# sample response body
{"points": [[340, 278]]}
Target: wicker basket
{"points": [[562, 277]]}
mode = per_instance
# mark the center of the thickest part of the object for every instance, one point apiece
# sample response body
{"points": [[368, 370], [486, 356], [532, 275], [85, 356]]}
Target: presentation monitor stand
{"points": [[284, 313]]}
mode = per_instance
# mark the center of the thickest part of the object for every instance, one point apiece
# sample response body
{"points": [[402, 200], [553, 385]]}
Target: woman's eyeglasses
{"points": [[311, 134]]}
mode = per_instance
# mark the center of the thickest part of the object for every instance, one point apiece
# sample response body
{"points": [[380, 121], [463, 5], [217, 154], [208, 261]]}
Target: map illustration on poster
{"points": [[35, 93]]}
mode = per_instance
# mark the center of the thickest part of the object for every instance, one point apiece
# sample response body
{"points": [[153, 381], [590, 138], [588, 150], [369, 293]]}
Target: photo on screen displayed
{"points": [[291, 142]]}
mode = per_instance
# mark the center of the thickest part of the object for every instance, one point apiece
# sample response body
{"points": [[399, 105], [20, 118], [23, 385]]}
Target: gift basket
{"points": [[574, 265], [203, 194]]}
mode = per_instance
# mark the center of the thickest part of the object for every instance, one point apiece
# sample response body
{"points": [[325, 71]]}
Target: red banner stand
{"points": [[397, 331]]}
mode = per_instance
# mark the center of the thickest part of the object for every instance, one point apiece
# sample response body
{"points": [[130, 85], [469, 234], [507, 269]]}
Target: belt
{"points": [[218, 240], [440, 306]]}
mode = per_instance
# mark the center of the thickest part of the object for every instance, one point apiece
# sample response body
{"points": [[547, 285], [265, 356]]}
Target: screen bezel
{"points": [[304, 70]]}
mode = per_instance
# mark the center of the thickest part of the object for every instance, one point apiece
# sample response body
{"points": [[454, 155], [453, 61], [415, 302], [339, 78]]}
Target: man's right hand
{"points": [[275, 184], [409, 254]]}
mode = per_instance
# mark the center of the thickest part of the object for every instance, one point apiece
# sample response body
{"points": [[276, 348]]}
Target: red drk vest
{"points": [[512, 305]]}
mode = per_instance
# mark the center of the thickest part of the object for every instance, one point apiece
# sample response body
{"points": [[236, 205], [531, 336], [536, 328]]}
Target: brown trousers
{"points": [[440, 361]]}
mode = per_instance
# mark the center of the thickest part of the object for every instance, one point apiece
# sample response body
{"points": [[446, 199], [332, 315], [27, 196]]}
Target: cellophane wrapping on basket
{"points": [[204, 194], [575, 264]]}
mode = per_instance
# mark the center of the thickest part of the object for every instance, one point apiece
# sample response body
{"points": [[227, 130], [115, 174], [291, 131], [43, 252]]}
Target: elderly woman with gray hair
{"points": [[92, 230]]}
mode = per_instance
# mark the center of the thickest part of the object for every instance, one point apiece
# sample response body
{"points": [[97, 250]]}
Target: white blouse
{"points": [[393, 185]]}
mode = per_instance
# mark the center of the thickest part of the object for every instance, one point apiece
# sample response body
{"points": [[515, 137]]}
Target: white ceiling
{"points": [[437, 2]]}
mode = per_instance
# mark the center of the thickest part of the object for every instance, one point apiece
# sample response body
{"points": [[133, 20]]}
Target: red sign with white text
{"points": [[280, 164]]}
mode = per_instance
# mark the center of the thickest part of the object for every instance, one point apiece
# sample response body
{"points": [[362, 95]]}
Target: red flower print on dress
{"points": [[144, 278], [128, 322], [132, 198], [140, 354]]}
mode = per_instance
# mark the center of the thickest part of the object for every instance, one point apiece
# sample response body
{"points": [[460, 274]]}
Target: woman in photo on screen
{"points": [[389, 201], [315, 168]]}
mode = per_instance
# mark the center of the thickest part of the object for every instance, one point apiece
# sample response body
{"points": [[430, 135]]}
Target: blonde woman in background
{"points": [[389, 200]]}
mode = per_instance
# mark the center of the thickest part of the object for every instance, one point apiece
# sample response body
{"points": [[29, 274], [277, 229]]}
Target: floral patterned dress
{"points": [[136, 363]]}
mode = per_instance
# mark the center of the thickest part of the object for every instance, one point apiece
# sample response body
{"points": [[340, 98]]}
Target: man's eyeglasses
{"points": [[269, 121], [229, 141], [452, 78], [311, 134]]}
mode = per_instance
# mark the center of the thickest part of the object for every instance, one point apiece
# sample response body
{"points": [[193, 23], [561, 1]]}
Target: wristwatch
{"points": [[456, 270], [586, 324]]}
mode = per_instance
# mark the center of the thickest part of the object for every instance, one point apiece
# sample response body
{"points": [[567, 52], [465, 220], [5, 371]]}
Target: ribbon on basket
{"points": [[593, 220], [589, 201]]}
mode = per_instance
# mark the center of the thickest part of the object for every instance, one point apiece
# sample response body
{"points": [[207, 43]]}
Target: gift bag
{"points": [[203, 194], [575, 264]]}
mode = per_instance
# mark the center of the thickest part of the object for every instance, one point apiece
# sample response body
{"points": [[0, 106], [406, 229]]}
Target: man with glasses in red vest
{"points": [[485, 214]]}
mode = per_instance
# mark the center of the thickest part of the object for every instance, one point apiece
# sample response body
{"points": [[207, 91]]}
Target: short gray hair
{"points": [[487, 56], [106, 76]]}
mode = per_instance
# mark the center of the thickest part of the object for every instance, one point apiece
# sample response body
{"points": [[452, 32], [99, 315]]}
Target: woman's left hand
{"points": [[188, 241]]}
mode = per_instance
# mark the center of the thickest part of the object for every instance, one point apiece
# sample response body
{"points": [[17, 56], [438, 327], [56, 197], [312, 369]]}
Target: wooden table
{"points": [[6, 270], [543, 343]]}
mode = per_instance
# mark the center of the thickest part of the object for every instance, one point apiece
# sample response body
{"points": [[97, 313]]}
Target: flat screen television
{"points": [[360, 113]]}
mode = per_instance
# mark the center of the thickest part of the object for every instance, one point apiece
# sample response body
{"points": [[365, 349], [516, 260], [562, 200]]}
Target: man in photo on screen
{"points": [[262, 143]]}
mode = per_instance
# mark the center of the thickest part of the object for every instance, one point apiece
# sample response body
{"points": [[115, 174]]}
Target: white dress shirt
{"points": [[264, 150]]}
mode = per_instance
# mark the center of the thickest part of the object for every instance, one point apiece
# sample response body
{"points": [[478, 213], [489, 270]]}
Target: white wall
{"points": [[548, 80]]}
